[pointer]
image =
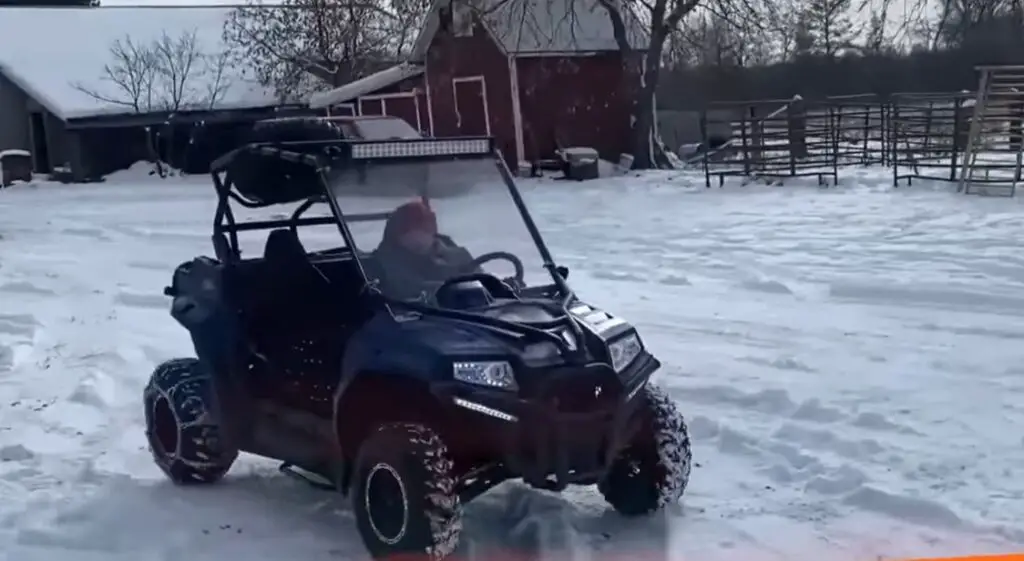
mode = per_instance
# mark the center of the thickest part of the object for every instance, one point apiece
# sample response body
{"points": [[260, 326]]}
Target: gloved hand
{"points": [[514, 283]]}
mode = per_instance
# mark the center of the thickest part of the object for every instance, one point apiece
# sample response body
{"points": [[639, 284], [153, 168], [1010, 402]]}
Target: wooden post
{"points": [[744, 139], [928, 114], [756, 138], [796, 118]]}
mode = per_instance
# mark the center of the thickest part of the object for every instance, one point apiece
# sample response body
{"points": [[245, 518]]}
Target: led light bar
{"points": [[490, 411], [415, 148]]}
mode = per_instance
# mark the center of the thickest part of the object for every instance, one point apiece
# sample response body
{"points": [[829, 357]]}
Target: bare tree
{"points": [[831, 25], [963, 22], [875, 36], [804, 39], [217, 81], [787, 30], [705, 41], [333, 41], [171, 73], [403, 27], [660, 19], [178, 64], [128, 78]]}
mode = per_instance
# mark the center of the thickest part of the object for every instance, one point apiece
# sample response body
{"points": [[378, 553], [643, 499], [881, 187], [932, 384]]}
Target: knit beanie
{"points": [[414, 215]]}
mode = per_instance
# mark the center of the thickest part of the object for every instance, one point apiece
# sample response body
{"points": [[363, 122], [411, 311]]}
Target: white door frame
{"points": [[483, 91], [384, 104], [426, 86], [416, 104], [350, 107], [359, 104], [395, 95]]}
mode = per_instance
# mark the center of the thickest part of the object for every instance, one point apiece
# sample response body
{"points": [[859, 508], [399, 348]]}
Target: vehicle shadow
{"points": [[261, 514]]}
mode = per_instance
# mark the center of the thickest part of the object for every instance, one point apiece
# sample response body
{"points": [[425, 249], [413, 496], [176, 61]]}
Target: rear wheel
{"points": [[183, 427], [654, 470], [404, 494]]}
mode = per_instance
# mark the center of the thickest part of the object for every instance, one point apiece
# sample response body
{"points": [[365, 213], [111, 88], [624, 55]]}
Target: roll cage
{"points": [[312, 161]]}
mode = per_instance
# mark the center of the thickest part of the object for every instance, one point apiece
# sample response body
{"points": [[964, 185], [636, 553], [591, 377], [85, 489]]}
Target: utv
{"points": [[410, 406]]}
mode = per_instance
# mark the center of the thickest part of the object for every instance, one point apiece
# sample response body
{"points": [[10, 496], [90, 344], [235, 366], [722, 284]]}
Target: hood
{"points": [[454, 337], [467, 337], [521, 312]]}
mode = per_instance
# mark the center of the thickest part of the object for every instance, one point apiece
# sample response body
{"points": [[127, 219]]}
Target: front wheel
{"points": [[653, 471], [405, 499], [183, 425]]}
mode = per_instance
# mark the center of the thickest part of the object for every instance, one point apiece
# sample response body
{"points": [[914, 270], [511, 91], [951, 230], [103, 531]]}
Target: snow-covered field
{"points": [[851, 361]]}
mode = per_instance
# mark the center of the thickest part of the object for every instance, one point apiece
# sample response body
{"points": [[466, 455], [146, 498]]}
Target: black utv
{"points": [[410, 405]]}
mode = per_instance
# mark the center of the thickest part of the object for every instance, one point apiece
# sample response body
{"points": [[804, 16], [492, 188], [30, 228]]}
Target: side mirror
{"points": [[562, 270]]}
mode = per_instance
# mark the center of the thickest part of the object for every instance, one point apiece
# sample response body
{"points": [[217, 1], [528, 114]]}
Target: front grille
{"points": [[583, 392]]}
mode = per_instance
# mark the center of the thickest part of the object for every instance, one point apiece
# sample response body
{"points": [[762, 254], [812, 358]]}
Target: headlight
{"points": [[624, 350], [490, 374]]}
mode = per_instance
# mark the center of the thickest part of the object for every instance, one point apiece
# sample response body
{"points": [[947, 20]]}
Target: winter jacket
{"points": [[407, 275]]}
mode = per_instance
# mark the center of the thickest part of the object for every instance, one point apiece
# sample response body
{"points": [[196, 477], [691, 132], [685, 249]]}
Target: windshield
{"points": [[411, 248]]}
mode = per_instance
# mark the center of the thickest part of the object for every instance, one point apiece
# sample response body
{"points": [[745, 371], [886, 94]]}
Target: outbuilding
{"points": [[537, 75], [59, 103]]}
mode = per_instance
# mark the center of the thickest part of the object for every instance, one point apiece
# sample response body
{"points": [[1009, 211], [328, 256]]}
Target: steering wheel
{"points": [[520, 271]]}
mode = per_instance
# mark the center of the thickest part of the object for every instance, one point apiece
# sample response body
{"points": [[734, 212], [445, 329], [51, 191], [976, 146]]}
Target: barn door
{"points": [[471, 115]]}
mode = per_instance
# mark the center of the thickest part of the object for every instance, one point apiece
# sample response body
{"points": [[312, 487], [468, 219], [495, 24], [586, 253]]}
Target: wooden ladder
{"points": [[1000, 93]]}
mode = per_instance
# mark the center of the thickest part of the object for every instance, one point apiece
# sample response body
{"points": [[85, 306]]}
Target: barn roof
{"points": [[364, 86], [540, 26], [47, 51]]}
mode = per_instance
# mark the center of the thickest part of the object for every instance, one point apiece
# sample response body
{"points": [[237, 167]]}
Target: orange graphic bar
{"points": [[1004, 557]]}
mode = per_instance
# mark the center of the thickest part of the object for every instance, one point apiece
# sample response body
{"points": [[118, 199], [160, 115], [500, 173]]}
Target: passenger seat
{"points": [[296, 280]]}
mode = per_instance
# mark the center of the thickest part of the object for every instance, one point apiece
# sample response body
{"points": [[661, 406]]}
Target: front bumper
{"points": [[567, 430]]}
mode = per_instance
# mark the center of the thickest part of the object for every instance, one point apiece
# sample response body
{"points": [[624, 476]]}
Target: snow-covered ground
{"points": [[851, 361]]}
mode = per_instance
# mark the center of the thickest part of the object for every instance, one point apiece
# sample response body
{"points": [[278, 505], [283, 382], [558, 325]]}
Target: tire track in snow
{"points": [[801, 407], [861, 451]]}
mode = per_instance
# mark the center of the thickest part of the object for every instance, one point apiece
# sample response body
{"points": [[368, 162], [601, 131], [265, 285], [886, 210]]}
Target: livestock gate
{"points": [[777, 139], [972, 138], [929, 132]]}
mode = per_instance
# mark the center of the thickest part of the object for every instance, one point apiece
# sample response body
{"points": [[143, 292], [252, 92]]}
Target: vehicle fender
{"points": [[382, 349], [197, 289]]}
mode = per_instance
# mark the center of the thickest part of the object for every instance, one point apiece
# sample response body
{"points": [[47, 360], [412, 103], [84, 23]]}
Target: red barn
{"points": [[527, 72]]}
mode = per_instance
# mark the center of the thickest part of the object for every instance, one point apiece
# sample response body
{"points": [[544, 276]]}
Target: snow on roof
{"points": [[46, 51], [542, 26], [364, 86]]}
